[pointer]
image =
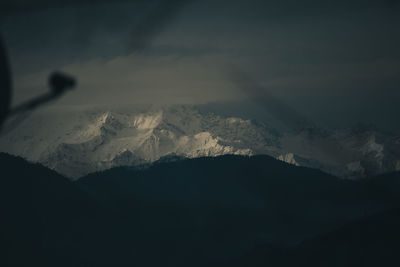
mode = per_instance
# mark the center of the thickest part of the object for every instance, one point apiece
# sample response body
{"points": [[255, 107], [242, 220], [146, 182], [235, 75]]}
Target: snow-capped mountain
{"points": [[79, 144], [345, 153], [76, 143]]}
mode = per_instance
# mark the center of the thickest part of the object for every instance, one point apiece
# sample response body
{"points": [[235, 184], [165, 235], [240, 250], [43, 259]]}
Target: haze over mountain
{"points": [[76, 143]]}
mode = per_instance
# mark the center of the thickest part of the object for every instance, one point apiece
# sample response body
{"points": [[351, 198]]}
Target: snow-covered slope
{"points": [[75, 143], [346, 153]]}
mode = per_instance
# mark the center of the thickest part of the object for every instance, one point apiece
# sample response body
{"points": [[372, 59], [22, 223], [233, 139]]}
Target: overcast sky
{"points": [[331, 60]]}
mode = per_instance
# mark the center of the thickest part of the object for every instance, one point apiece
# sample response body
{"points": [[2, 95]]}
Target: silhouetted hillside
{"points": [[369, 241], [226, 205], [224, 211], [46, 220]]}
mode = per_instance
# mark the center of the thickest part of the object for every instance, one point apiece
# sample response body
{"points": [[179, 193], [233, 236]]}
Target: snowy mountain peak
{"points": [[288, 158], [77, 143], [147, 121], [96, 141]]}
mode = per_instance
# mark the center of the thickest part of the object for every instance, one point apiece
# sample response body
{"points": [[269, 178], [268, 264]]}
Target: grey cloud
{"points": [[307, 53]]}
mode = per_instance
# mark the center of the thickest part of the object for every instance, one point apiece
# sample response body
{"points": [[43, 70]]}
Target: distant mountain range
{"points": [[78, 143], [214, 211]]}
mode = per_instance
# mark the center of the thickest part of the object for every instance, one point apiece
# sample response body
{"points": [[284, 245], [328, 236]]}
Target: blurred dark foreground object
{"points": [[5, 85], [142, 34], [59, 83]]}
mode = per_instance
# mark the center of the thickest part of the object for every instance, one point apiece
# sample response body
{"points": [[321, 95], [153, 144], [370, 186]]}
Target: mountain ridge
{"points": [[193, 212], [95, 140]]}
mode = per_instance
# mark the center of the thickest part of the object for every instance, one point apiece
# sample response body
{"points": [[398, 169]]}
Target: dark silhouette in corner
{"points": [[59, 83], [5, 84]]}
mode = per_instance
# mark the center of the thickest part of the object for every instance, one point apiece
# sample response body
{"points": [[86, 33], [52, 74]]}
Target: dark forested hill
{"points": [[229, 204], [46, 220], [223, 211]]}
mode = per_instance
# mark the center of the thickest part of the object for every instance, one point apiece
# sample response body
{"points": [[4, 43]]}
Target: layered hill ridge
{"points": [[195, 212]]}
